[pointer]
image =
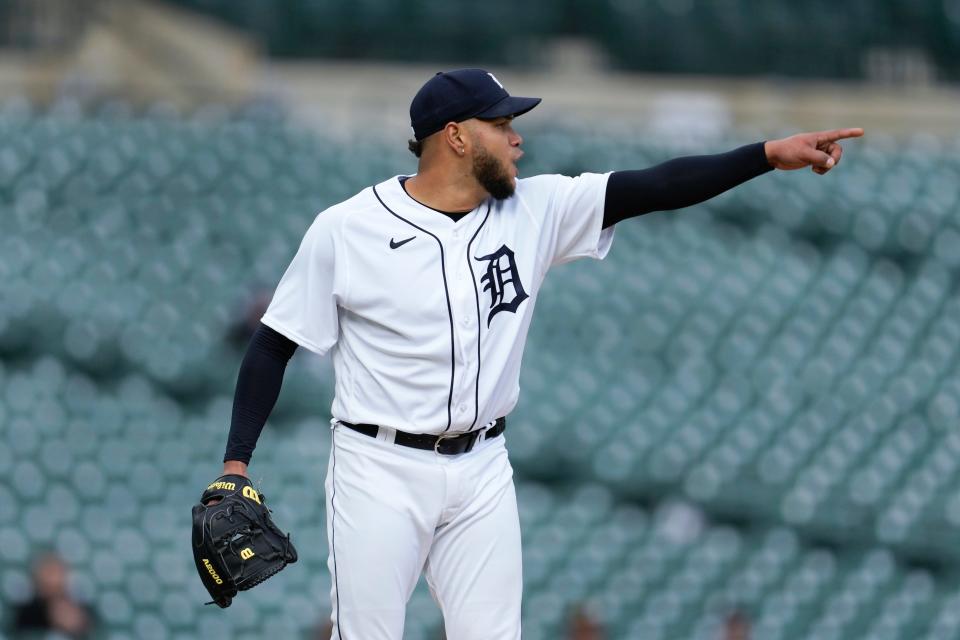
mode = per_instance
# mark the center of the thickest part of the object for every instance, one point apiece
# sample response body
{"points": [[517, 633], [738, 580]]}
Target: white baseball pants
{"points": [[394, 512]]}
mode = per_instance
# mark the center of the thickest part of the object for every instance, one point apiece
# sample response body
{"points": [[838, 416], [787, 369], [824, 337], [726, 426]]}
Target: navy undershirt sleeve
{"points": [[681, 182], [258, 387]]}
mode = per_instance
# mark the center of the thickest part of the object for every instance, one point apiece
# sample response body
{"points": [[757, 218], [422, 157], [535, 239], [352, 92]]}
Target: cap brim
{"points": [[509, 106]]}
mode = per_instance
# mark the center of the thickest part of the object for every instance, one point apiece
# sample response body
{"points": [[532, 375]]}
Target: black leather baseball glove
{"points": [[235, 544]]}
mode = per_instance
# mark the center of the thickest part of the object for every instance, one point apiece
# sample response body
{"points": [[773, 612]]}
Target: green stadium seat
{"points": [[150, 627], [108, 569], [115, 607], [15, 545]]}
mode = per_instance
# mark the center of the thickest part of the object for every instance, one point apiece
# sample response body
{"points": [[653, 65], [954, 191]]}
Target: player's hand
{"points": [[819, 150], [230, 467], [235, 468]]}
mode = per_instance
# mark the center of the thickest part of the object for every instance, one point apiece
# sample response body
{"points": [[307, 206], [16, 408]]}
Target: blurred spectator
{"points": [[51, 607], [736, 626], [583, 625]]}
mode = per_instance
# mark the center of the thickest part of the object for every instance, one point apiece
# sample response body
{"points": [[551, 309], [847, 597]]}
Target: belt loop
{"points": [[386, 434], [486, 428]]}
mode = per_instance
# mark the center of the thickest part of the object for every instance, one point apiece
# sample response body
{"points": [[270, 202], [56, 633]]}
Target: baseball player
{"points": [[422, 288]]}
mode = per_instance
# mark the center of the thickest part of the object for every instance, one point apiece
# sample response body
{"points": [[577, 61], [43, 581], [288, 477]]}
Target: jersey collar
{"points": [[396, 198]]}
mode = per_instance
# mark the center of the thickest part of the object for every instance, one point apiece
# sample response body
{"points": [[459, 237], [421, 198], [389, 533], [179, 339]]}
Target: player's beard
{"points": [[492, 175]]}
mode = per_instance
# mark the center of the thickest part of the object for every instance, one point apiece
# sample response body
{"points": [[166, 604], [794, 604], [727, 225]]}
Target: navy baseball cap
{"points": [[455, 96]]}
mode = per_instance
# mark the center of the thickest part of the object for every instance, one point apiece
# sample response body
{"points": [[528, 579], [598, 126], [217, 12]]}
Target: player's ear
{"points": [[455, 135]]}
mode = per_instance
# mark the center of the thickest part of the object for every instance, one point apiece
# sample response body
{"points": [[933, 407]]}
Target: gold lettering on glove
{"points": [[229, 486], [251, 493], [247, 553], [212, 571]]}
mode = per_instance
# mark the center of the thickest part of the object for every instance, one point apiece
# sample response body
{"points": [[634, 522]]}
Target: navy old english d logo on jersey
{"points": [[502, 281]]}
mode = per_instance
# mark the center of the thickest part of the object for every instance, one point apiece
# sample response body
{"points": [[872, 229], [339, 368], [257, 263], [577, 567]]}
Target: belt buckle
{"points": [[441, 438], [472, 436]]}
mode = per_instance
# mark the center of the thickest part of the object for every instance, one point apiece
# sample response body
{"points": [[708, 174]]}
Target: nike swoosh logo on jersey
{"points": [[397, 245]]}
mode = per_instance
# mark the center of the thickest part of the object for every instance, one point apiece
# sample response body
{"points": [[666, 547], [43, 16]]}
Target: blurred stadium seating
{"points": [[782, 360], [736, 37]]}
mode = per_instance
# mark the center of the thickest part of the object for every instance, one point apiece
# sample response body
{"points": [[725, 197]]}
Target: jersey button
{"points": [[462, 408]]}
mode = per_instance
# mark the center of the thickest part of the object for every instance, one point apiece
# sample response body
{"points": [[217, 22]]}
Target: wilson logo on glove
{"points": [[236, 545]]}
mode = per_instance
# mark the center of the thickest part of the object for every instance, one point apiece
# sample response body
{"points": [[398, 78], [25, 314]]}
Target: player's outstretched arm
{"points": [[820, 150], [684, 182]]}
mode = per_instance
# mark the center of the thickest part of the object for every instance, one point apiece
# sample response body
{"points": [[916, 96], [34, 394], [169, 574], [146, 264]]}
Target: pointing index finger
{"points": [[840, 134]]}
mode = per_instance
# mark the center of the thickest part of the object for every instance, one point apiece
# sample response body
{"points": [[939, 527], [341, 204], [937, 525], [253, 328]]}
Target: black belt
{"points": [[448, 445]]}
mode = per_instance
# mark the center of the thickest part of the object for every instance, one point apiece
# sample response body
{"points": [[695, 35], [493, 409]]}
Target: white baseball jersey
{"points": [[427, 317]]}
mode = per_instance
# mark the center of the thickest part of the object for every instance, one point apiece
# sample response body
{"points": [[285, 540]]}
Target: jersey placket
{"points": [[463, 305]]}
